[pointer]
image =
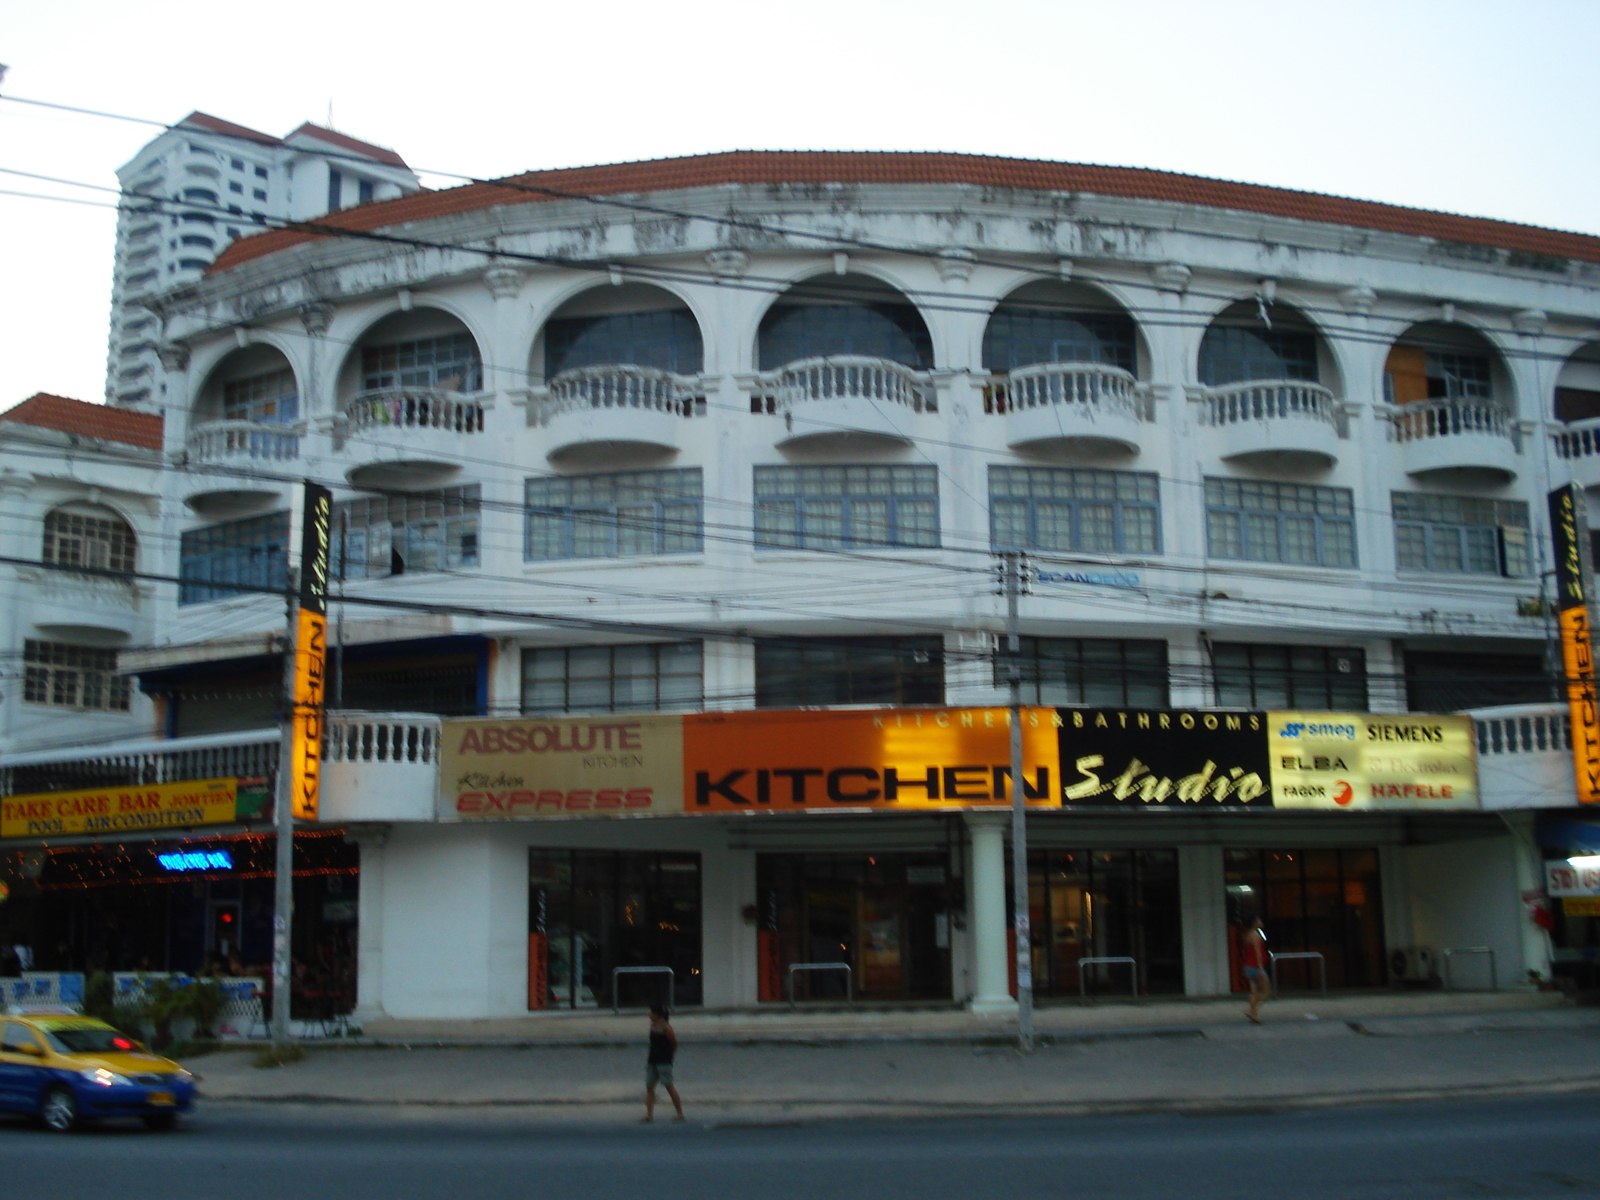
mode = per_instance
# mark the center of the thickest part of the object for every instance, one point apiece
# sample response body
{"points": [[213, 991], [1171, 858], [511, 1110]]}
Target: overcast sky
{"points": [[1490, 109]]}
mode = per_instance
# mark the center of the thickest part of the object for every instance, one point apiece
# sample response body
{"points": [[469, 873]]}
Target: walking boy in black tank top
{"points": [[658, 1067]]}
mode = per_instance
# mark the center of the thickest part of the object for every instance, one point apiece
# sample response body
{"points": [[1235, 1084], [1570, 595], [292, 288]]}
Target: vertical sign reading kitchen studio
{"points": [[310, 654], [1569, 528]]}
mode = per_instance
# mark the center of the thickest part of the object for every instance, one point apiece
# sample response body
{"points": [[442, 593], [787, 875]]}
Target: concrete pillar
{"points": [[991, 989], [1202, 888], [369, 926], [1529, 862]]}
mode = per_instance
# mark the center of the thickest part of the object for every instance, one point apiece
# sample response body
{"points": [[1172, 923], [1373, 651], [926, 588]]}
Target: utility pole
{"points": [[1014, 566], [283, 814]]}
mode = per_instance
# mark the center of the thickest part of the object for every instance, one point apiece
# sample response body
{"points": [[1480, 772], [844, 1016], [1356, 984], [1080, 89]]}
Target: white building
{"points": [[744, 431], [199, 186]]}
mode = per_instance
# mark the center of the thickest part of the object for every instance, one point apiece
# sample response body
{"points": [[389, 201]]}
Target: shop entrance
{"points": [[1100, 904], [886, 915], [591, 911], [1326, 901]]}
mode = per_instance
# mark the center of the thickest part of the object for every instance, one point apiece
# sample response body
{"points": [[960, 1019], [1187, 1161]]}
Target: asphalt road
{"points": [[1521, 1148]]}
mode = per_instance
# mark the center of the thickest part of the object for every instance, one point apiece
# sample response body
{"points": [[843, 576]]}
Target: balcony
{"points": [[376, 766], [409, 438], [1289, 422], [1579, 446], [609, 412], [1466, 437], [85, 608], [1069, 407], [239, 449], [1524, 757], [848, 400]]}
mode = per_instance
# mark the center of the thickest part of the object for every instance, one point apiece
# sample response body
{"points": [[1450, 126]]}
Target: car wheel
{"points": [[59, 1112], [161, 1122]]}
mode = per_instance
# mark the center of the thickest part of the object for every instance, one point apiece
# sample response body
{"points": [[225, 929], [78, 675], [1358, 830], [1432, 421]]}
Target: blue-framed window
{"points": [[790, 332], [450, 363], [1471, 535], [614, 516], [1074, 508], [1019, 336], [668, 340], [272, 397], [407, 534], [1114, 672], [1299, 523], [650, 677], [834, 508], [252, 551], [1239, 353]]}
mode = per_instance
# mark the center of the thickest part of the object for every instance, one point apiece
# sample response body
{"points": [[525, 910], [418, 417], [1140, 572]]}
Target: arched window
{"points": [[1240, 346], [89, 536], [850, 314]]}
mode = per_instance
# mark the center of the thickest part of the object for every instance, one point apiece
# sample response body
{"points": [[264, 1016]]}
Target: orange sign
{"points": [[943, 758], [1577, 652], [310, 683]]}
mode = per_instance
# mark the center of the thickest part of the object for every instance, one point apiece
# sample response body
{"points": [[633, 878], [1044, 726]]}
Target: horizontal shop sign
{"points": [[943, 759], [121, 809], [1581, 906], [1569, 879]]}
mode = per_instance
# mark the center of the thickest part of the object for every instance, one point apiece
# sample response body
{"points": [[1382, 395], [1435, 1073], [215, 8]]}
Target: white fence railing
{"points": [[213, 756], [414, 408], [1270, 400], [382, 737], [218, 441], [851, 377], [624, 386], [1093, 388], [1451, 418], [1531, 730], [1580, 440]]}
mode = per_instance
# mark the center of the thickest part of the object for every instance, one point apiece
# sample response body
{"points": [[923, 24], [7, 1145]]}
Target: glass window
{"points": [[652, 677], [1089, 671], [613, 516], [68, 676], [1081, 509], [407, 534], [335, 191], [797, 673], [1018, 336], [252, 552], [449, 363], [668, 340], [1461, 534], [78, 539], [1290, 677], [364, 191], [1445, 681], [1280, 522], [1457, 376], [1326, 901], [831, 508], [790, 332], [1238, 354], [270, 398]]}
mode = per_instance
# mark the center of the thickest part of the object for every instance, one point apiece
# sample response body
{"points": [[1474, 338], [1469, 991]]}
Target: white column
{"points": [[1202, 887], [369, 926], [1530, 878], [991, 989]]}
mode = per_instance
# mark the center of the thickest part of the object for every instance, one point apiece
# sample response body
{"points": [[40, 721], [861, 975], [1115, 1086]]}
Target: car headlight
{"points": [[104, 1077], [184, 1076]]}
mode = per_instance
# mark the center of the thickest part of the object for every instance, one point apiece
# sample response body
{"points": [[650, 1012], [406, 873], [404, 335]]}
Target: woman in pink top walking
{"points": [[1255, 969]]}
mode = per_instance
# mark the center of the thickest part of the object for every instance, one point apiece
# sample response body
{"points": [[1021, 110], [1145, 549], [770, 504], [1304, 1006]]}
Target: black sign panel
{"points": [[1569, 529], [1174, 758], [316, 535]]}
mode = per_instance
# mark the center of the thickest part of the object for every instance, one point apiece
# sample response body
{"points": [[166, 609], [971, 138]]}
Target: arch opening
{"points": [[425, 349], [1436, 361], [1577, 395], [255, 383], [1054, 322], [634, 325], [834, 315], [1249, 342]]}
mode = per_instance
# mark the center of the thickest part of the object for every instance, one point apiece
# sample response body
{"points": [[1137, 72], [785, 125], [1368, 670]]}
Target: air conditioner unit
{"points": [[1413, 964]]}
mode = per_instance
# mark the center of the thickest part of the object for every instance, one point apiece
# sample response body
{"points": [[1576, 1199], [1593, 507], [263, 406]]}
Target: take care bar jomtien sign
{"points": [[121, 810], [951, 759]]}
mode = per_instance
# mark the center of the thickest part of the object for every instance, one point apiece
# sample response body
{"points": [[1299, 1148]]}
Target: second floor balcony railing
{"points": [[1426, 419], [1270, 400], [1275, 420], [226, 441], [851, 377], [414, 408], [1094, 388], [622, 386]]}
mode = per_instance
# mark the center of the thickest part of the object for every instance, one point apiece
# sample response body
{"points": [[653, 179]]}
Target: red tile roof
{"points": [[345, 142], [767, 168], [212, 124], [87, 420]]}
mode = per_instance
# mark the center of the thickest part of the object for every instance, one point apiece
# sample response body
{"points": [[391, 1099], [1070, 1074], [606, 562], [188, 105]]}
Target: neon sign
{"points": [[197, 860]]}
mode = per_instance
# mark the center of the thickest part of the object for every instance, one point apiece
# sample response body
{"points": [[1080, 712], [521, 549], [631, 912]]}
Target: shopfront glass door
{"points": [[1310, 901], [592, 911]]}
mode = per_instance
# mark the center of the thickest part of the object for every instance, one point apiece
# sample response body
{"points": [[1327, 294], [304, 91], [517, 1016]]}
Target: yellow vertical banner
{"points": [[310, 655], [1569, 529]]}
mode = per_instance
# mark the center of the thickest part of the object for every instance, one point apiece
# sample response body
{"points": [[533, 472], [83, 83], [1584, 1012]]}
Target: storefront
{"points": [[1571, 845]]}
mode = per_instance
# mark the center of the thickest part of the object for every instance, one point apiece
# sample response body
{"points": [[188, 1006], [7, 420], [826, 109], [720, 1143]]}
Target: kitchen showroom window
{"points": [[834, 508], [67, 676], [1297, 523], [407, 534], [1290, 677], [613, 516], [1075, 509], [1468, 535], [656, 676]]}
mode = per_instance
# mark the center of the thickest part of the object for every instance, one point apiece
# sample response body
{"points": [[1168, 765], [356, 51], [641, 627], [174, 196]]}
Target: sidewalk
{"points": [[765, 1067]]}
